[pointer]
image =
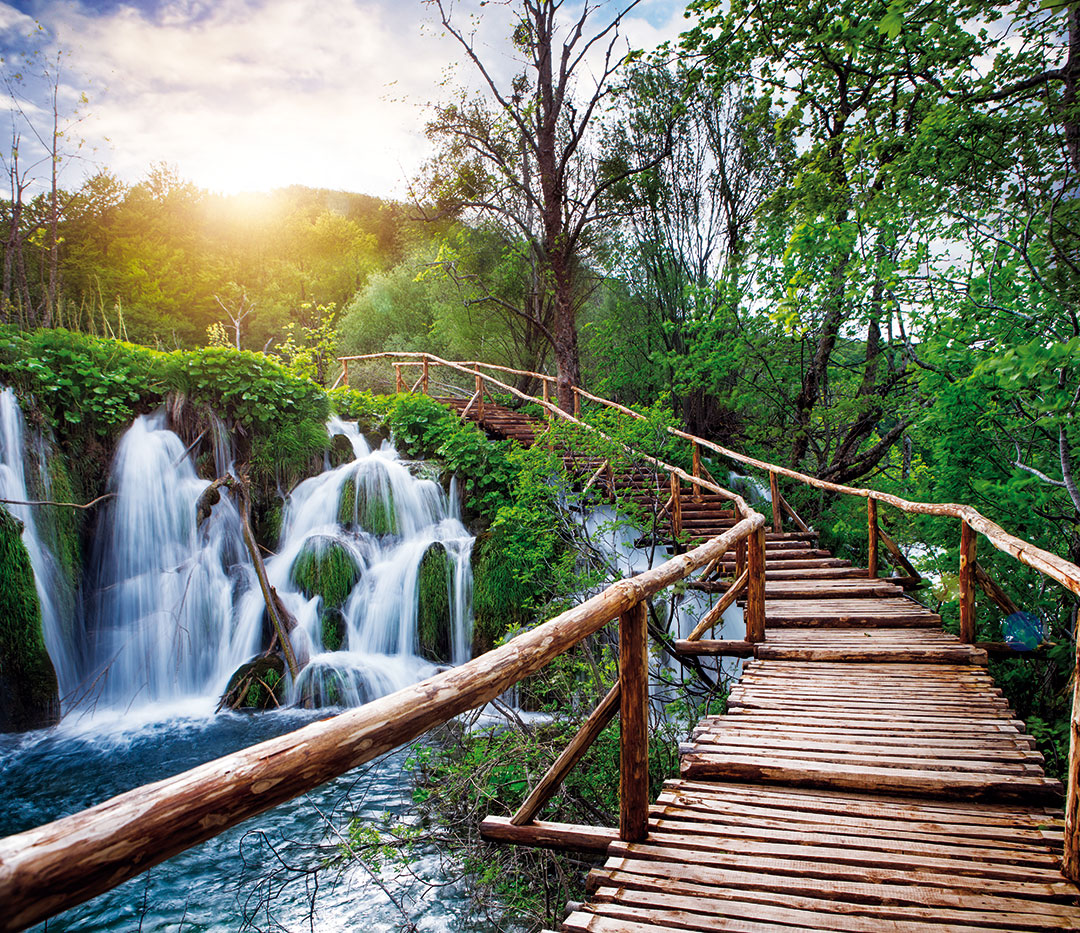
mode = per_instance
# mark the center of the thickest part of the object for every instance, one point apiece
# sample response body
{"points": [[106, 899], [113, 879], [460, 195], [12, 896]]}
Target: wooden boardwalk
{"points": [[867, 776]]}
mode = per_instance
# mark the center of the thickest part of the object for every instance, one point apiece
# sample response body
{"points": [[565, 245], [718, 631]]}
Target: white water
{"points": [[169, 609], [53, 589], [379, 653], [160, 591]]}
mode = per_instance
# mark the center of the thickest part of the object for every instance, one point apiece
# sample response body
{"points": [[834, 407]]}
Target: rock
{"points": [[433, 619], [29, 696], [366, 510], [341, 450], [325, 567], [258, 684]]}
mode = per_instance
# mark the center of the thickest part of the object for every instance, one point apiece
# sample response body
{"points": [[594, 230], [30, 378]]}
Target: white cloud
{"points": [[253, 94]]}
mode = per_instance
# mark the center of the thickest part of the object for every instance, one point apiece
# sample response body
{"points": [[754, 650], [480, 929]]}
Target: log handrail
{"points": [[56, 866], [1045, 562], [1064, 572]]}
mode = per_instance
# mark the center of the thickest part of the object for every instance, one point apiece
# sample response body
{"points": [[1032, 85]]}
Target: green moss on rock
{"points": [[326, 568], [28, 691], [433, 604], [332, 624], [360, 508]]}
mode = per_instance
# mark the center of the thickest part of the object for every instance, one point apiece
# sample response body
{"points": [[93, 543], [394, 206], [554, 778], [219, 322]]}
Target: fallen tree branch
{"points": [[64, 505]]}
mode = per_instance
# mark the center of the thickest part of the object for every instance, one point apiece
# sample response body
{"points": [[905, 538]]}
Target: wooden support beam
{"points": [[345, 371], [740, 557], [1070, 863], [424, 378], [697, 471], [713, 615], [968, 541], [634, 724], [717, 648], [799, 523], [676, 506], [872, 536], [774, 495], [480, 396], [399, 385], [468, 408], [571, 755], [995, 592], [563, 836], [897, 555], [755, 587]]}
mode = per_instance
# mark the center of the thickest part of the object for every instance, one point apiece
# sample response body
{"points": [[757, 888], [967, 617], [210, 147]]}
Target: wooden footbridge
{"points": [[867, 776]]}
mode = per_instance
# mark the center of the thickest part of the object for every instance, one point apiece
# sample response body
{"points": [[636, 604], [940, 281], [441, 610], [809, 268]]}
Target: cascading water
{"points": [[53, 588], [159, 617], [399, 546]]}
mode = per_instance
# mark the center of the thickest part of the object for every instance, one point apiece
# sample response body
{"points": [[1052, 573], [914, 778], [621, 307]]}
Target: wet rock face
{"points": [[366, 509], [433, 623], [325, 568], [258, 684], [29, 696], [341, 451]]}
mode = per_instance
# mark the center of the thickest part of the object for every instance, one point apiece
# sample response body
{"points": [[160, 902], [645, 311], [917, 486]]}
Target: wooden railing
{"points": [[61, 864], [971, 574]]}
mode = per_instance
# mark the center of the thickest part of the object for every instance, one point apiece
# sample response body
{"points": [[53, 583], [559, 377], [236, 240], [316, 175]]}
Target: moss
{"points": [[258, 684], [373, 513], [325, 568], [28, 689], [499, 597], [333, 626], [433, 604]]}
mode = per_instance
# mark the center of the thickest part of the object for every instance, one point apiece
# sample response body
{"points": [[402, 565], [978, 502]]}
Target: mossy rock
{"points": [[359, 509], [341, 450], [334, 628], [326, 568], [258, 684], [433, 619], [29, 696]]}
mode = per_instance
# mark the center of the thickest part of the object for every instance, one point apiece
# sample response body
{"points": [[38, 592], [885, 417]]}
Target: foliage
{"points": [[27, 680]]}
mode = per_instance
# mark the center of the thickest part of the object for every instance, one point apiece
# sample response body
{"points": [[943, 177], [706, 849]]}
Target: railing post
{"points": [[345, 381], [424, 378], [777, 508], [697, 471], [968, 540], [480, 395], [577, 403], [399, 386], [872, 536], [755, 587], [1070, 862], [740, 557], [634, 725], [676, 506], [611, 482]]}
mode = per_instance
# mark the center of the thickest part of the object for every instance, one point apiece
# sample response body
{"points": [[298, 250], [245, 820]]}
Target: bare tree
{"points": [[237, 310], [523, 156]]}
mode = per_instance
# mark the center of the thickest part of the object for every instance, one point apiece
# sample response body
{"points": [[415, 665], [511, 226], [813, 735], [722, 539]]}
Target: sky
{"points": [[250, 95]]}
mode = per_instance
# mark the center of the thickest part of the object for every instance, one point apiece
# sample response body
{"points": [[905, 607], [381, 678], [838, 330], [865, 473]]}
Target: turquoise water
{"points": [[276, 872]]}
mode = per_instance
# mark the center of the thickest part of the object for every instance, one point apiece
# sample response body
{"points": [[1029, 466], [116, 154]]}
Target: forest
{"points": [[839, 237]]}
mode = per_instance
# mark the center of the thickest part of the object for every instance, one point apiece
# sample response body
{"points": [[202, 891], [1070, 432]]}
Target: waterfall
{"points": [[53, 588], [381, 522], [159, 607], [169, 608]]}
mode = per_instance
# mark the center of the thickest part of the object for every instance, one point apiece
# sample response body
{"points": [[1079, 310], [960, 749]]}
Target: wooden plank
{"points": [[548, 835], [799, 772], [841, 914]]}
